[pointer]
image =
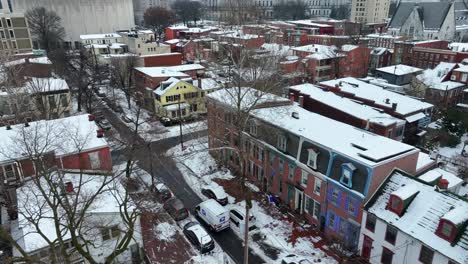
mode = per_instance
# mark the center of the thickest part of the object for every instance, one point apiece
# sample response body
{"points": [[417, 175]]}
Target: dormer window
{"points": [[312, 158], [253, 128], [400, 199], [452, 223], [347, 174], [282, 142]]}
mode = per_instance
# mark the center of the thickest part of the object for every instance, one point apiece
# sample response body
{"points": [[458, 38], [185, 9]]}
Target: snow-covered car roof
{"points": [[200, 233], [217, 190]]}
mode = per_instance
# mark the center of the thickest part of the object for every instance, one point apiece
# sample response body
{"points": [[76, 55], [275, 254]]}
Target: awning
{"points": [[415, 117]]}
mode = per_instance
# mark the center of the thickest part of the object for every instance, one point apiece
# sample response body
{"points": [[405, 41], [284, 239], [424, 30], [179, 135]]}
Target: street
{"points": [[165, 169]]}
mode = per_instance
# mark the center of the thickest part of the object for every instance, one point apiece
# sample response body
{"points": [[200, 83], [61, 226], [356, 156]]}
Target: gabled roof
{"points": [[432, 14], [423, 214]]}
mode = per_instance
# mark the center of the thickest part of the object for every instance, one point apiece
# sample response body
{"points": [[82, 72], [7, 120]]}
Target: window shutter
{"points": [[346, 202], [330, 192], [338, 203], [327, 221], [337, 223], [356, 208]]}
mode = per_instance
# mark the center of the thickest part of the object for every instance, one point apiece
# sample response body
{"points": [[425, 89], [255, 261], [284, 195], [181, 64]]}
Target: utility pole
{"points": [[180, 127]]}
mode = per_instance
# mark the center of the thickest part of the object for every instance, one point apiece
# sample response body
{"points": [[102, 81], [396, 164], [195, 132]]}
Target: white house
{"points": [[410, 221], [102, 224]]}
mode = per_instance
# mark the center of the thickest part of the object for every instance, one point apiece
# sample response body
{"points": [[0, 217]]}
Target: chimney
{"points": [[68, 187], [337, 86], [26, 124], [91, 118], [199, 83], [26, 60], [301, 100], [443, 184], [291, 97], [8, 127], [295, 115], [387, 100], [99, 133], [394, 106]]}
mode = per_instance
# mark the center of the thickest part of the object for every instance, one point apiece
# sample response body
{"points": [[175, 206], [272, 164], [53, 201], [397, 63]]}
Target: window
{"points": [[52, 103], [317, 185], [334, 196], [110, 232], [347, 174], [282, 142], [312, 207], [271, 156], [94, 160], [370, 222], [253, 128], [395, 203], [390, 234], [351, 206], [8, 22], [9, 171], [426, 255], [64, 100], [12, 33], [331, 219], [312, 159], [291, 172], [304, 177], [387, 256]]}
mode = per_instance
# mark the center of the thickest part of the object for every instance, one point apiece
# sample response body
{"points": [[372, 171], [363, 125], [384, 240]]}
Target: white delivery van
{"points": [[213, 214]]}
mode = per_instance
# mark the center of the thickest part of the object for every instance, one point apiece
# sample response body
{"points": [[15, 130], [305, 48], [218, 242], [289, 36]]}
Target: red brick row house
{"points": [[72, 144], [322, 169]]}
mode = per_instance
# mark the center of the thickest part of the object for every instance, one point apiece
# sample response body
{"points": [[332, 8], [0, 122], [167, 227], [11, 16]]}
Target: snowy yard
{"points": [[273, 233]]}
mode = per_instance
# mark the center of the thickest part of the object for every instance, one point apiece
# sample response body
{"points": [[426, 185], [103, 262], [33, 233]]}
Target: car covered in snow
{"points": [[198, 236], [176, 209], [215, 192], [237, 217], [162, 191], [295, 259]]}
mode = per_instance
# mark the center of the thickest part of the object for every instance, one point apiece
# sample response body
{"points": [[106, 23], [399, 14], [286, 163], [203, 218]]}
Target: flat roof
{"points": [[361, 111], [99, 36], [399, 69], [355, 143], [405, 105], [169, 71]]}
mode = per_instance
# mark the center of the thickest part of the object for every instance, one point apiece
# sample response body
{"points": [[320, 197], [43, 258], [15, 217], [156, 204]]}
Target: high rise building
{"points": [[14, 32], [369, 11]]}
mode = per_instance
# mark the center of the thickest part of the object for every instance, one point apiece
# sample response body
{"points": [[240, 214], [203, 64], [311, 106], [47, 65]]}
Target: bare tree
{"points": [[122, 75], [290, 10], [187, 10], [46, 26], [59, 209], [158, 18]]}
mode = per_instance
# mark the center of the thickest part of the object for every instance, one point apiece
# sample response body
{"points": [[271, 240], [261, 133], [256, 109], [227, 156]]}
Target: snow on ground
{"points": [[450, 152], [174, 131], [199, 168], [165, 231]]}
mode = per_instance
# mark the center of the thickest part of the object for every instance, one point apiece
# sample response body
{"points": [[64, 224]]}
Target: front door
{"points": [[299, 201], [367, 247]]}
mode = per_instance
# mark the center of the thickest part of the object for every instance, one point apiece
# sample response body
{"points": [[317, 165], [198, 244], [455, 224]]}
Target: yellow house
{"points": [[175, 98]]}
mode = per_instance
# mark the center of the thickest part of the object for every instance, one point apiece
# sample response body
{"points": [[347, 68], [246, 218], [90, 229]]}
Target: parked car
{"points": [[295, 259], [104, 124], [176, 209], [237, 217], [213, 214], [162, 191], [215, 192], [198, 236], [126, 118], [166, 121]]}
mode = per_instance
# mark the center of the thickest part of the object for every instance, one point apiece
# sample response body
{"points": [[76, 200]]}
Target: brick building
{"points": [[403, 50], [339, 108], [379, 57], [356, 61], [326, 175], [164, 59], [383, 40], [249, 41], [416, 113], [71, 143]]}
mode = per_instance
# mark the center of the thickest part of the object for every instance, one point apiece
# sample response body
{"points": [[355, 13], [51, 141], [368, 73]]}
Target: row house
{"points": [[196, 32], [356, 61], [173, 32], [163, 59], [436, 85], [342, 109], [410, 221], [403, 50], [324, 174], [328, 40], [341, 27], [147, 79], [312, 27], [249, 41], [30, 66], [430, 58], [416, 113], [72, 143], [383, 40]]}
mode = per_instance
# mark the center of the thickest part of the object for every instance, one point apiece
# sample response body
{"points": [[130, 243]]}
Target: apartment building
{"points": [[143, 42], [369, 11], [325, 175], [15, 36]]}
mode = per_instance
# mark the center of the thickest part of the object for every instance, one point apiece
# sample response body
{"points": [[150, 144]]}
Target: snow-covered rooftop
{"points": [[36, 60], [352, 142], [210, 83], [438, 172], [249, 97], [99, 36], [348, 47], [423, 214], [459, 46], [64, 136], [308, 23], [319, 52], [30, 200], [399, 69], [346, 105], [405, 105], [434, 78], [169, 71], [46, 85]]}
